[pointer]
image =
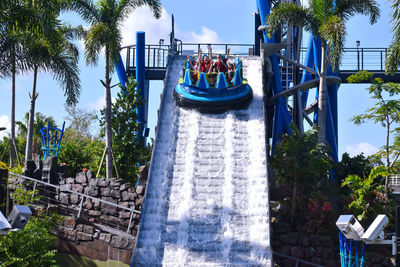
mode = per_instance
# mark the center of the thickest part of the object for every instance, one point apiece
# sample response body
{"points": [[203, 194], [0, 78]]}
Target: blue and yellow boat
{"points": [[212, 92]]}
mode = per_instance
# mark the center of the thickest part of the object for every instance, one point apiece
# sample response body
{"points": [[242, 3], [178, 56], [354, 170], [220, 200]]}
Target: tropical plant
{"points": [[31, 246], [325, 19], [59, 56], [129, 149], [300, 164], [105, 18], [359, 165], [386, 112], [393, 56], [366, 195]]}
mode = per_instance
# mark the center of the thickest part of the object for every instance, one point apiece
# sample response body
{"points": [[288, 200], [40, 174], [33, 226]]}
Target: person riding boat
{"points": [[205, 62], [221, 64]]}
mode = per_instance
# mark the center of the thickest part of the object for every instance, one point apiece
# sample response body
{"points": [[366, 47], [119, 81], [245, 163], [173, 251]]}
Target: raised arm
{"points": [[190, 61], [211, 59], [227, 53]]}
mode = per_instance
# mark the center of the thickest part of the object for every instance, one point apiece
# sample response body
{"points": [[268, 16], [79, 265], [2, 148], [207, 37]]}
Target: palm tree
{"points": [[393, 55], [325, 19], [58, 55], [105, 18]]}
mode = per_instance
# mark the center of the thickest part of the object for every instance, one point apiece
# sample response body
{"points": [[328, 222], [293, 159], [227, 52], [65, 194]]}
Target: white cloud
{"points": [[142, 20], [5, 122], [99, 103], [364, 147]]}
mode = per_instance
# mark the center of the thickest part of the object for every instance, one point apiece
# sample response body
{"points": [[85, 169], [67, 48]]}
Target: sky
{"points": [[206, 21]]}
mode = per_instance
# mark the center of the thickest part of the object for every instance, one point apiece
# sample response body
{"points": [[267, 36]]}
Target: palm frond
{"points": [[290, 13], [95, 40], [87, 9], [334, 32], [348, 8], [392, 61], [127, 6], [321, 10]]}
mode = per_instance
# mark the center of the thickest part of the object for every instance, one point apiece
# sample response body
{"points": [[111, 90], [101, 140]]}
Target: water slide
{"points": [[207, 199]]}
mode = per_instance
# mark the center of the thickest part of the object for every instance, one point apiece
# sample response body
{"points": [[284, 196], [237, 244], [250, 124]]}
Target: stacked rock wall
{"points": [[100, 232]]}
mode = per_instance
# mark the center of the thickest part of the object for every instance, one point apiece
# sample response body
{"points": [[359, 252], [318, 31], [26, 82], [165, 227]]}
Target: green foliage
{"points": [[301, 166], [386, 112], [358, 165], [366, 199], [81, 153], [323, 20], [31, 246], [4, 166], [22, 196], [129, 150]]}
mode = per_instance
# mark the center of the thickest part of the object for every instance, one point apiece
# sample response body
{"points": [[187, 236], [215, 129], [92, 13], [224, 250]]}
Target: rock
{"points": [[124, 215], [74, 199], [328, 253], [64, 198], [317, 260], [88, 204], [70, 235], [139, 201], [304, 241], [290, 238], [65, 187], [83, 237], [79, 227], [127, 196], [94, 212], [103, 182], [119, 242], [123, 187], [30, 167], [331, 263], [88, 229], [91, 191], [81, 178], [70, 180], [140, 189], [319, 240], [115, 194], [77, 188], [297, 252], [105, 237], [105, 192], [282, 228], [309, 252], [90, 175], [285, 250], [69, 222], [93, 182]]}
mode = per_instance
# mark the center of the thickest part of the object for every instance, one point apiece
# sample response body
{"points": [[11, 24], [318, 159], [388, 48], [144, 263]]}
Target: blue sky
{"points": [[206, 21]]}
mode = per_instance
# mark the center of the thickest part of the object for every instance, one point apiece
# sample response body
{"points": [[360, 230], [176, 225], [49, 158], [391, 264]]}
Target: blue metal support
{"points": [[143, 85], [282, 117]]}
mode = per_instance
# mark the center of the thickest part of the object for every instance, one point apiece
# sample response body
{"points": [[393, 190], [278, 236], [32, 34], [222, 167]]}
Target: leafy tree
{"points": [[130, 151], [358, 165], [61, 58], [326, 20], [301, 164], [366, 195], [386, 112], [81, 123], [393, 56], [105, 18], [31, 246]]}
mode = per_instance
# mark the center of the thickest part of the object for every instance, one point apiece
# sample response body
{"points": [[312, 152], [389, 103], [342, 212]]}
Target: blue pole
{"points": [[120, 68], [282, 117], [141, 79]]}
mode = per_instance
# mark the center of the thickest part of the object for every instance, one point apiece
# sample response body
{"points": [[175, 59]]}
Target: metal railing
{"points": [[353, 59], [156, 55], [297, 261], [82, 199], [394, 183]]}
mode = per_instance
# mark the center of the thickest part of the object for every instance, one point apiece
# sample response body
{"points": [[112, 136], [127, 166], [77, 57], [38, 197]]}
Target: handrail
{"points": [[296, 259], [79, 194]]}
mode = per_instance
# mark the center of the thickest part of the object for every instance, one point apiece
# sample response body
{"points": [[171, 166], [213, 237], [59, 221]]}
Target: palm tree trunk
{"points": [[12, 138], [387, 155], [108, 120], [322, 96], [29, 137]]}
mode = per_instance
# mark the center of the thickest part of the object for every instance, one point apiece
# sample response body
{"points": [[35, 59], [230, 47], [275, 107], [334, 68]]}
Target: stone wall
{"points": [[101, 229]]}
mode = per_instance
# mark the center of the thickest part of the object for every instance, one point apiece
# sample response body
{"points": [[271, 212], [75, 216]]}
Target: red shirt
{"points": [[204, 67], [222, 67]]}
